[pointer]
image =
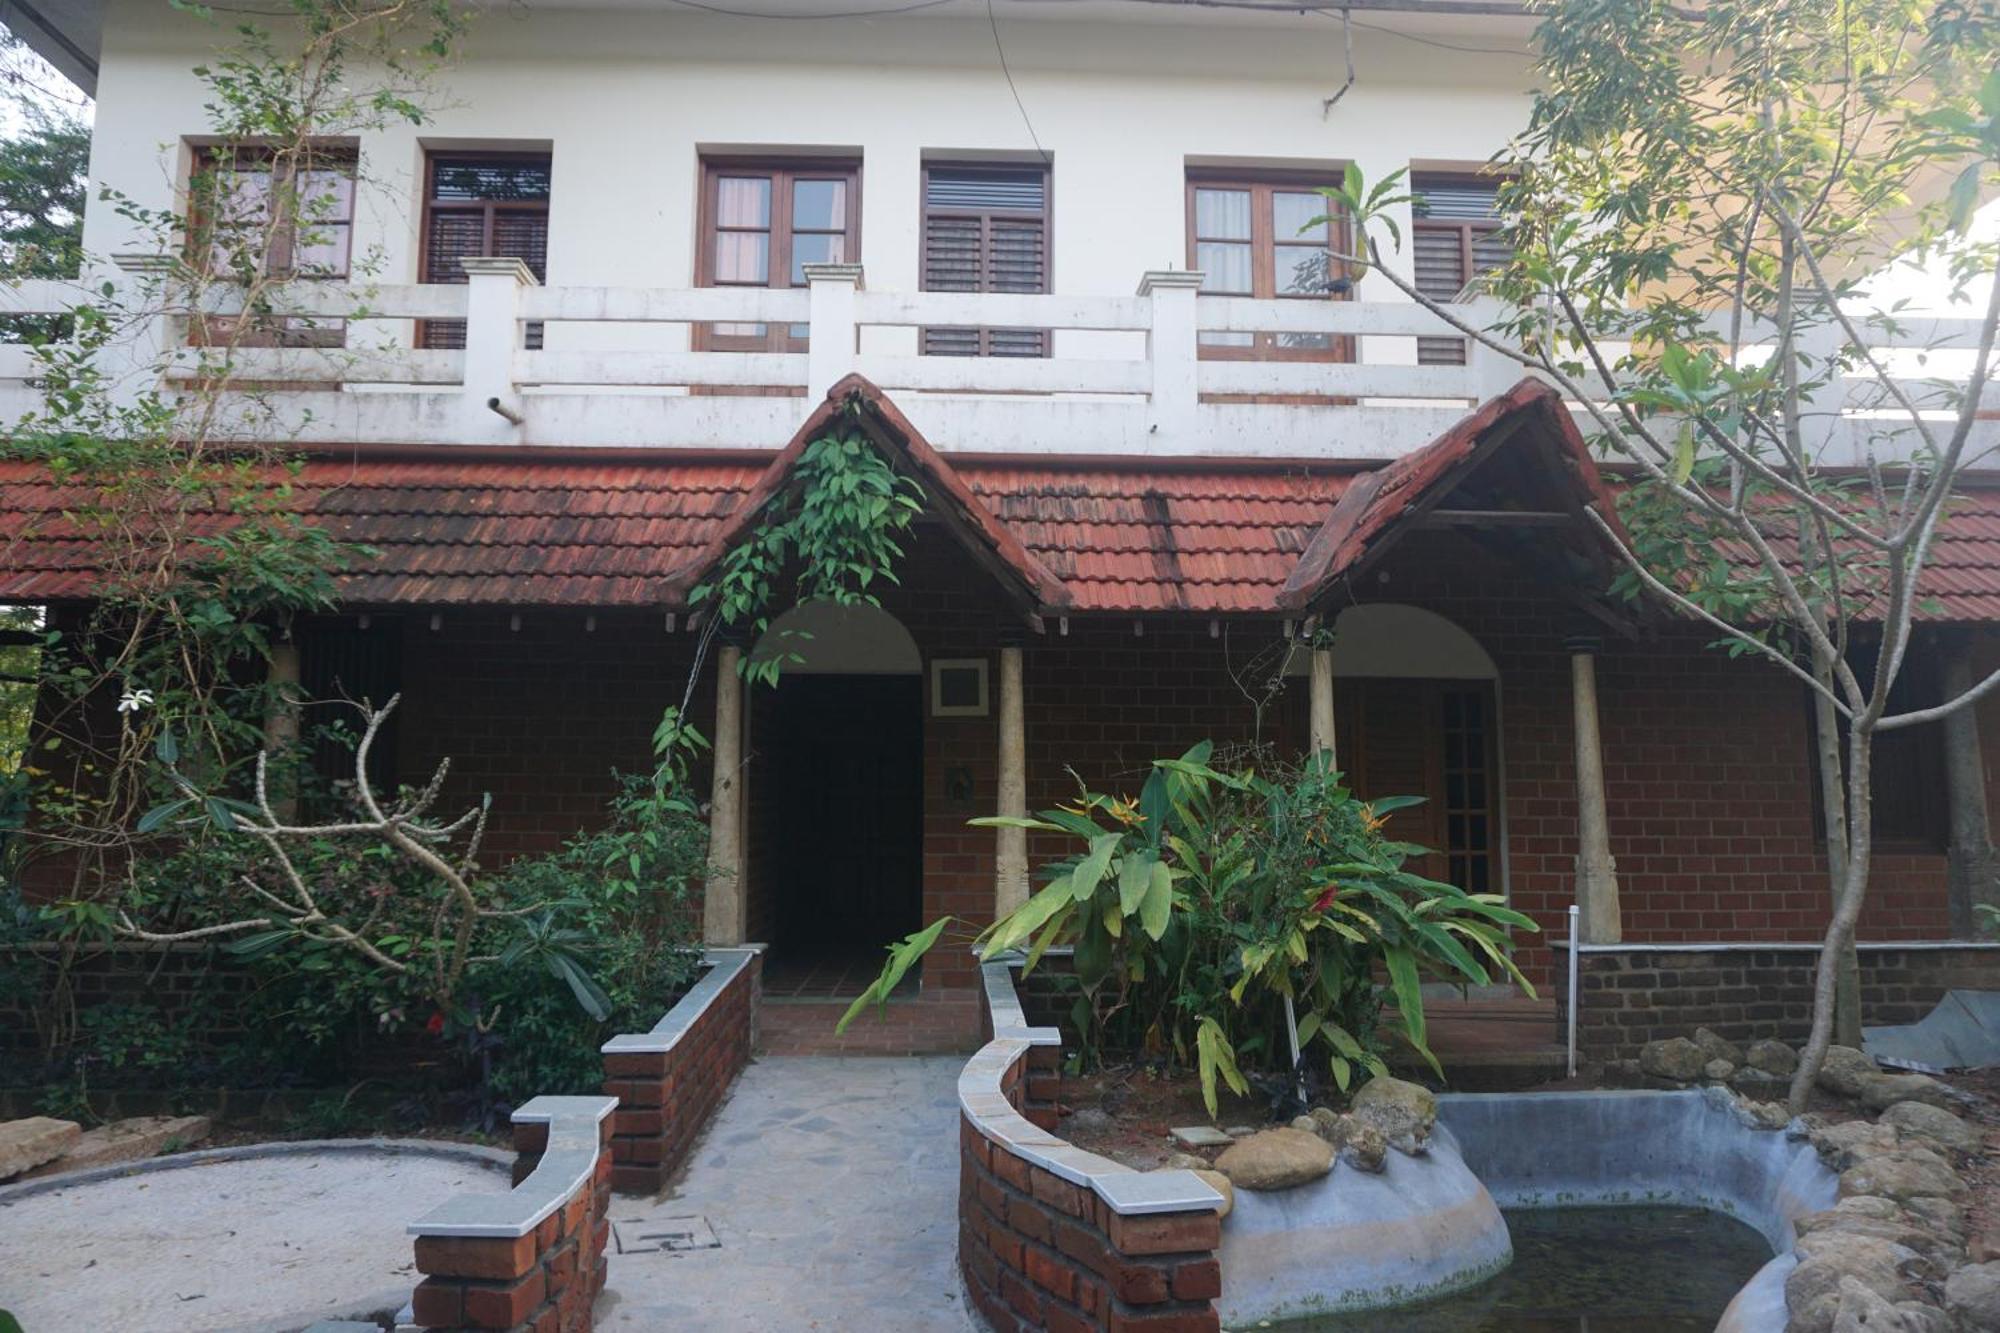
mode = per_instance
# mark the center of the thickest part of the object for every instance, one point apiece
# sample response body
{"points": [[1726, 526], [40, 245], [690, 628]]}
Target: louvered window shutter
{"points": [[1453, 240], [986, 230], [484, 206]]}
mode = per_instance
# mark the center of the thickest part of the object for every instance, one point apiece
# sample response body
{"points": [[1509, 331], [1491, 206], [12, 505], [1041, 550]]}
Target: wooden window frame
{"points": [[488, 209], [778, 261], [278, 259], [1262, 184], [925, 212], [1464, 230]]}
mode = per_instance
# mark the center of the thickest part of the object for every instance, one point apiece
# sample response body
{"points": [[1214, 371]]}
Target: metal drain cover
{"points": [[664, 1235]]}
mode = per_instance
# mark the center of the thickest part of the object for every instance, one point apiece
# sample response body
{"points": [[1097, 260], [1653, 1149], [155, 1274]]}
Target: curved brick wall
{"points": [[1054, 1238]]}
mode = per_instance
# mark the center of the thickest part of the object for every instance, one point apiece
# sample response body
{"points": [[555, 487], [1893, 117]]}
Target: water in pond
{"points": [[1605, 1270]]}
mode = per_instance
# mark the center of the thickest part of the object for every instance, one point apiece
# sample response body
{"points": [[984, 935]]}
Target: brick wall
{"points": [[545, 1280], [666, 1096], [1041, 1253], [1635, 995]]}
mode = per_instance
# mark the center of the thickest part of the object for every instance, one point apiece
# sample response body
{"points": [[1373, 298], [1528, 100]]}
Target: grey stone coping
{"points": [[724, 966], [567, 1165], [1130, 1193], [445, 1148], [1776, 946]]}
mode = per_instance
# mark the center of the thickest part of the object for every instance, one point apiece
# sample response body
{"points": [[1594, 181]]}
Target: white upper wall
{"points": [[627, 101]]}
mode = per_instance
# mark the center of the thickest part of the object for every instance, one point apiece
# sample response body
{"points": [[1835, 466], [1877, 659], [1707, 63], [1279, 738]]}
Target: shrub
{"points": [[1199, 911]]}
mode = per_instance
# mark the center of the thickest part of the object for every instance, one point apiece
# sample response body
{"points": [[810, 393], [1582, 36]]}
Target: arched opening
{"points": [[1417, 713], [837, 795]]}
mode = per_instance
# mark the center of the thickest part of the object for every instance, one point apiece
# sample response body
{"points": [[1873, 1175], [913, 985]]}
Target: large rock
{"points": [[1940, 1215], [128, 1141], [1364, 1145], [1327, 1124], [1841, 1146], [1772, 1057], [1879, 1092], [1892, 1225], [1828, 1259], [1676, 1058], [1717, 1071], [1760, 1083], [1860, 1310], [1972, 1296], [1404, 1112], [1276, 1159], [1717, 1047], [1907, 1173], [25, 1144], [1942, 1128], [1843, 1069]]}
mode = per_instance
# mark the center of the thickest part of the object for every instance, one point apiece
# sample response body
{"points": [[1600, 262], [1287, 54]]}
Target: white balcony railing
{"points": [[617, 370]]}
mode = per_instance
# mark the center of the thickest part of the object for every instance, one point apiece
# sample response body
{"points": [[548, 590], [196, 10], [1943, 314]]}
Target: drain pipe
{"points": [[1574, 945], [1292, 1031]]}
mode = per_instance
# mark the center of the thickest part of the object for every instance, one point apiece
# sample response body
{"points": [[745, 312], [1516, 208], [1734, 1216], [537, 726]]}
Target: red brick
{"points": [[1022, 1298], [1165, 1233], [437, 1303], [1163, 1321], [468, 1256], [1198, 1280], [1048, 1272], [503, 1306], [1137, 1284]]}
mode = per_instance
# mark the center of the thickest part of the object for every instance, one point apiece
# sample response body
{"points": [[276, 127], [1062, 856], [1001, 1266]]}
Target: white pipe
{"points": [[1292, 1031], [1573, 968]]}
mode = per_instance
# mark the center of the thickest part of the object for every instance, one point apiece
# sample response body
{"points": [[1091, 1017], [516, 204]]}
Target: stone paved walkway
{"points": [[832, 1183]]}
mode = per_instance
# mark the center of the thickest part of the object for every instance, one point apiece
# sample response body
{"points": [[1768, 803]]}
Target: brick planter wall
{"points": [[1633, 994], [534, 1258], [670, 1080], [1054, 1238]]}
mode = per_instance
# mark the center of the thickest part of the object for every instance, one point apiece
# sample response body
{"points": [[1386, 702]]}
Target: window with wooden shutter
{"points": [[986, 229], [256, 212], [762, 222], [1436, 739], [1272, 236], [1454, 238], [479, 205]]}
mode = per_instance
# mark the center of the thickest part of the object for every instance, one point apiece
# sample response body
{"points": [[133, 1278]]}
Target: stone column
{"points": [[1596, 872], [1322, 702], [1010, 845], [1972, 869], [281, 725], [724, 918]]}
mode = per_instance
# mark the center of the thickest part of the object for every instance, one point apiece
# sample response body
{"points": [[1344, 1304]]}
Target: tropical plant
{"points": [[1226, 901]]}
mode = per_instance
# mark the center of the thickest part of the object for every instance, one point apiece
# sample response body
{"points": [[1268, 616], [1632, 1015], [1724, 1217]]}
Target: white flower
{"points": [[133, 700]]}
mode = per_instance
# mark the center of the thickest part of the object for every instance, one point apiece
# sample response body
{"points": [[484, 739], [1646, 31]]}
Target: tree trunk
{"points": [[1833, 807], [1839, 939]]}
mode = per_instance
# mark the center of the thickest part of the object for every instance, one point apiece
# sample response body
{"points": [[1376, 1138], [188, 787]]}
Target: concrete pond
{"points": [[248, 1240], [1437, 1224]]}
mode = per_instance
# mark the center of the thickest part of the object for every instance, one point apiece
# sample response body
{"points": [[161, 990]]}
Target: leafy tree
{"points": [[44, 175], [1696, 210]]}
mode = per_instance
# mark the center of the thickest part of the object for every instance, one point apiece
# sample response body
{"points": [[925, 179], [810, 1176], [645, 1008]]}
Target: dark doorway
{"points": [[847, 760]]}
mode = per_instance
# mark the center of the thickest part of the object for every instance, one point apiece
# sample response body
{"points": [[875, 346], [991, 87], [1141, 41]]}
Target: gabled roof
{"points": [[856, 401], [1526, 433]]}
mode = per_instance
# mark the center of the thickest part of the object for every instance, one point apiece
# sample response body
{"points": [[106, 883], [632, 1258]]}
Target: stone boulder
{"points": [[1934, 1124], [1940, 1215], [25, 1144], [1760, 1083], [1860, 1310], [1841, 1146], [1771, 1057], [1879, 1092], [1276, 1159], [1676, 1058], [1717, 1071], [1907, 1173], [1404, 1112], [1827, 1260], [1364, 1147], [1187, 1161], [1886, 1222], [1972, 1297], [1716, 1047], [1326, 1123], [128, 1141], [1765, 1115], [1843, 1069]]}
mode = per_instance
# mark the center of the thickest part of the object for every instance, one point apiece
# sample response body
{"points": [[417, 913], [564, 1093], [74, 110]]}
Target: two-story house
{"points": [[1185, 477]]}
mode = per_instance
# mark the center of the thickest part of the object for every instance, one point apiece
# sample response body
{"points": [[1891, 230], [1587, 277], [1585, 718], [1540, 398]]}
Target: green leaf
{"points": [[1090, 872], [1216, 1058], [1963, 200], [902, 957], [1156, 909], [1408, 987], [160, 814], [1134, 874]]}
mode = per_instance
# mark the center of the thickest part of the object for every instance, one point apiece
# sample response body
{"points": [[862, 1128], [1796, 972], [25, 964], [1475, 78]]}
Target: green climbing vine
{"points": [[837, 527]]}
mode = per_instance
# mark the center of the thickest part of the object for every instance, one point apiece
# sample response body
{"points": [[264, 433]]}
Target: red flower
{"points": [[436, 1025], [1325, 900]]}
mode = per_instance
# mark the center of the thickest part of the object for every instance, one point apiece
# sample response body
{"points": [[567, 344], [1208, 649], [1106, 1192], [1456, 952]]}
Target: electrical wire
{"points": [[1001, 51]]}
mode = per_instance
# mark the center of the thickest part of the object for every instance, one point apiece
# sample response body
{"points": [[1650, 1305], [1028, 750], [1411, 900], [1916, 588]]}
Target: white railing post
{"points": [[1492, 373], [491, 411], [156, 321], [834, 334], [1171, 349]]}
